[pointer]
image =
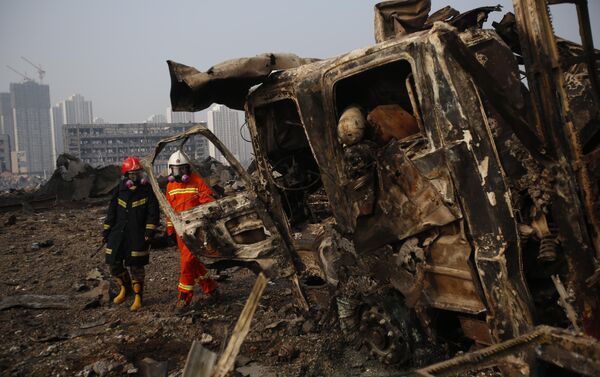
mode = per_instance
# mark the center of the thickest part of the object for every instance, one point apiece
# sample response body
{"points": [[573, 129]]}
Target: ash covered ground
{"points": [[93, 337]]}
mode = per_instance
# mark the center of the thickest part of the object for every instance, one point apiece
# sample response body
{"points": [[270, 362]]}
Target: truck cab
{"points": [[440, 227], [443, 225]]}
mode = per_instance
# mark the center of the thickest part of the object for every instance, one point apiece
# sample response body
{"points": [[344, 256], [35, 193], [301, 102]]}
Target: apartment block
{"points": [[74, 110], [104, 144], [225, 124], [33, 143], [5, 160], [179, 116]]}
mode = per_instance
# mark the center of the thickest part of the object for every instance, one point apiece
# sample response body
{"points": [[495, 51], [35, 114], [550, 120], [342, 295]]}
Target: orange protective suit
{"points": [[183, 196]]}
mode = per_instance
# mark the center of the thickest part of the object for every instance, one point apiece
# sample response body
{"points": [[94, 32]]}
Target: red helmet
{"points": [[130, 163]]}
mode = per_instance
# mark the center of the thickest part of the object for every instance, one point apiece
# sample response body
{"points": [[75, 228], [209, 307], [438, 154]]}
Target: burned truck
{"points": [[440, 202]]}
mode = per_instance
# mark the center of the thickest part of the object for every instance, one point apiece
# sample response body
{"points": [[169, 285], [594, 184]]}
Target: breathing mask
{"points": [[179, 173]]}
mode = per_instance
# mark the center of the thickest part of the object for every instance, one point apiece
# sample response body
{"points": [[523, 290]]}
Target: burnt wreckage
{"points": [[438, 201]]}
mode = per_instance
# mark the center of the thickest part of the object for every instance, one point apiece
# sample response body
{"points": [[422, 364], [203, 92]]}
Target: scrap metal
{"points": [[442, 219]]}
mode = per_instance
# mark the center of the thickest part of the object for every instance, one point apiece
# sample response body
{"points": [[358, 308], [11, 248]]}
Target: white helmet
{"points": [[178, 158]]}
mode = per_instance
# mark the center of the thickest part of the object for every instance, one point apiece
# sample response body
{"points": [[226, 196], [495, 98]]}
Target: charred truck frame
{"points": [[463, 229]]}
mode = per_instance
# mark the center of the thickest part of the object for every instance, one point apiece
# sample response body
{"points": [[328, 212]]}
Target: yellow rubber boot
{"points": [[137, 300], [122, 282]]}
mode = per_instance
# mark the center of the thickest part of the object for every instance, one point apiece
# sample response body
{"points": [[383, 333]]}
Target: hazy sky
{"points": [[113, 52]]}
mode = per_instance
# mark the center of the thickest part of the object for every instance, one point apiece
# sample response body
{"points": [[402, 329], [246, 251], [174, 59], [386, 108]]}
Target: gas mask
{"points": [[135, 178], [179, 173]]}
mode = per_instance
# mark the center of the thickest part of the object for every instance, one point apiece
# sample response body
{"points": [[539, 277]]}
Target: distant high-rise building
{"points": [[179, 116], [5, 152], [225, 124], [157, 119], [77, 110], [7, 125], [104, 144], [33, 146], [73, 110], [99, 120], [58, 119]]}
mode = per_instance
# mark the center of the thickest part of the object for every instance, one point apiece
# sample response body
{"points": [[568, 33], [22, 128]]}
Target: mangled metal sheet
{"points": [[229, 231], [452, 213], [234, 227], [226, 83], [414, 193], [408, 202], [399, 17]]}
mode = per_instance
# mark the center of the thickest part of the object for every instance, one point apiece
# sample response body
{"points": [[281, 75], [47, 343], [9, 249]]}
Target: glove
{"points": [[149, 234]]}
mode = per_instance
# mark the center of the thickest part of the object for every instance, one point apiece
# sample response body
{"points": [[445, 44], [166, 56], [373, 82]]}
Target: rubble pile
{"points": [[10, 182], [72, 181], [75, 180], [60, 324]]}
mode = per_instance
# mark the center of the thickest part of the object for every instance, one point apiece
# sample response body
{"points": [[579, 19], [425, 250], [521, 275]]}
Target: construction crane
{"points": [[41, 72], [27, 78]]}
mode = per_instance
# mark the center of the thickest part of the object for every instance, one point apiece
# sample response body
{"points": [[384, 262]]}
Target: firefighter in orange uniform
{"points": [[187, 190]]}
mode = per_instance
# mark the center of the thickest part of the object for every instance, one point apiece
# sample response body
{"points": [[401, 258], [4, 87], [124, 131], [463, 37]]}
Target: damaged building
{"points": [[448, 205], [105, 144]]}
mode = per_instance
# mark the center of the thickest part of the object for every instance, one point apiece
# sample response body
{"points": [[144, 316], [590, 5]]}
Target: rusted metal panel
{"points": [[497, 252], [477, 330], [216, 218], [451, 280], [484, 194], [488, 85], [408, 203]]}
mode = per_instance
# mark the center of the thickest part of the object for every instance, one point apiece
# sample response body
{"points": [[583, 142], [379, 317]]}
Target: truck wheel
{"points": [[385, 341], [381, 323]]}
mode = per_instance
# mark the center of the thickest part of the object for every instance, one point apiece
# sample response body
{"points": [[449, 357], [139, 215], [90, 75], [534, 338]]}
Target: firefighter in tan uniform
{"points": [[133, 215], [187, 190]]}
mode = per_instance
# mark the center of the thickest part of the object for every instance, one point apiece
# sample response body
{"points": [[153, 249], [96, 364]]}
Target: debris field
{"points": [[49, 260]]}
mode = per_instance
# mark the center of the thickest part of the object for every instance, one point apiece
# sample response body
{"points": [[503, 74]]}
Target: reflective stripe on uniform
{"points": [[122, 203], [138, 203], [150, 226], [191, 190], [186, 287], [108, 251], [139, 253], [169, 223], [106, 226]]}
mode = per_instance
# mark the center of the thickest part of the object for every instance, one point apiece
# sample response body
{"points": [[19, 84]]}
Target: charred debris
{"points": [[428, 191], [75, 183]]}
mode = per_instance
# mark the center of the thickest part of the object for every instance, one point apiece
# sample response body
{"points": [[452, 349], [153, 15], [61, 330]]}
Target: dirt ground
{"points": [[93, 337]]}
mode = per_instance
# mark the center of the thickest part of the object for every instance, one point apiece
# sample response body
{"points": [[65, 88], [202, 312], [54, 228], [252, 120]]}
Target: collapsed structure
{"points": [[75, 180], [72, 181], [453, 205]]}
